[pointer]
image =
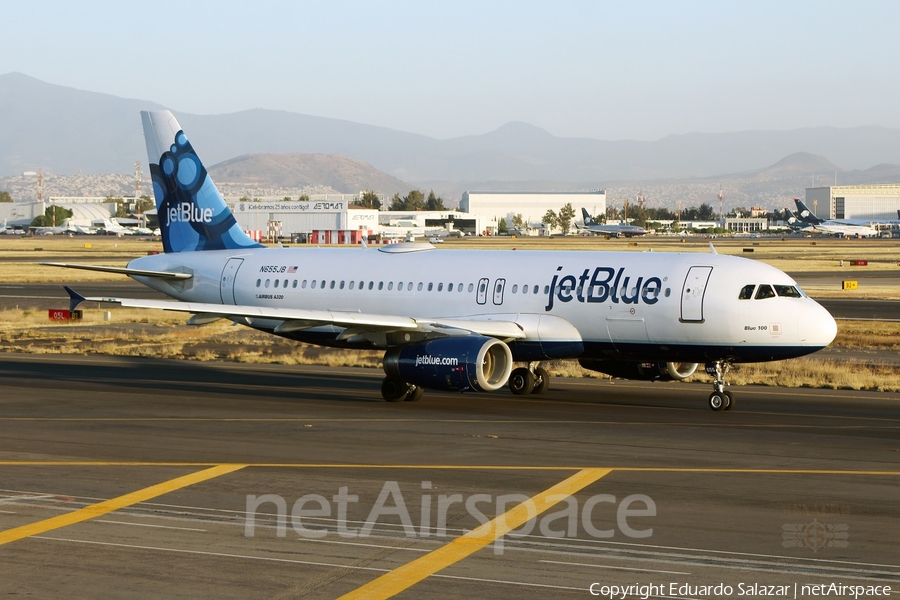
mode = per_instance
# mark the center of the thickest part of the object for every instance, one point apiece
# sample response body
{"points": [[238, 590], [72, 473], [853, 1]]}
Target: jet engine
{"points": [[645, 371], [452, 363]]}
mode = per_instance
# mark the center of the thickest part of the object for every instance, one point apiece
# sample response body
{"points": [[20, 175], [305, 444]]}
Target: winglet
{"points": [[712, 249], [74, 298]]}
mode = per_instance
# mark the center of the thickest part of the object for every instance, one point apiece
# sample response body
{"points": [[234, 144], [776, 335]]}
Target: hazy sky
{"points": [[608, 70]]}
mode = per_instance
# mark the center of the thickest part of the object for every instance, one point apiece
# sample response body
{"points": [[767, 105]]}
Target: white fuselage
{"points": [[652, 306]]}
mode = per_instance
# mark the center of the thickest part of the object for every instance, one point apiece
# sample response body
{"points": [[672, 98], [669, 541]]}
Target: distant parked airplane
{"points": [[591, 226], [831, 226]]}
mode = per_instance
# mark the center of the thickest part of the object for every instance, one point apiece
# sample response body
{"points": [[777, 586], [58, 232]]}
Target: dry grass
{"points": [[160, 334]]}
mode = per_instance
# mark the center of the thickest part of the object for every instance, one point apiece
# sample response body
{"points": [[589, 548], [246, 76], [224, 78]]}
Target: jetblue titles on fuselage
{"points": [[601, 285]]}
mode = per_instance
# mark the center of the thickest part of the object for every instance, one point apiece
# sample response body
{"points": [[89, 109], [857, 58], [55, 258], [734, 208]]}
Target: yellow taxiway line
{"points": [[108, 506], [411, 573]]}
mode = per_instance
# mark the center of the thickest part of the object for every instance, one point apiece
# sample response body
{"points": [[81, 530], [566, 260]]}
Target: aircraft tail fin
{"points": [[588, 220], [806, 214], [192, 213]]}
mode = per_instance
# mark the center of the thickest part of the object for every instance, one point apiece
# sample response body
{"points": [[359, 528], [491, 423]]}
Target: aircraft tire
{"points": [[415, 393], [729, 401], [394, 390], [542, 381], [717, 401], [521, 381]]}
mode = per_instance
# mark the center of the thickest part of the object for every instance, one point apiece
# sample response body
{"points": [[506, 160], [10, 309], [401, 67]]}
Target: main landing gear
{"points": [[719, 399], [396, 390], [529, 380]]}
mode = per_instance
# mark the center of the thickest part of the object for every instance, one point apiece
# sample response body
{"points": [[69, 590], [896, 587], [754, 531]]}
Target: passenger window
{"points": [[332, 284], [322, 285], [746, 292], [258, 282], [390, 286], [353, 283], [294, 285], [267, 283], [546, 289], [276, 283], [419, 288], [450, 288], [788, 291], [303, 285], [471, 287], [459, 287], [362, 284], [440, 287], [765, 291], [409, 286], [342, 285], [515, 288], [430, 286], [380, 285], [314, 284]]}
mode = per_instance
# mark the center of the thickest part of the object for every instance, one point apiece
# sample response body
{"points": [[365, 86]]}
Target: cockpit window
{"points": [[765, 291], [788, 291], [746, 292]]}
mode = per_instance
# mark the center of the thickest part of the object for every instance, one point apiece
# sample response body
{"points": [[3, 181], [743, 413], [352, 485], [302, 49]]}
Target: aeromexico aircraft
{"points": [[592, 226], [831, 226], [467, 319]]}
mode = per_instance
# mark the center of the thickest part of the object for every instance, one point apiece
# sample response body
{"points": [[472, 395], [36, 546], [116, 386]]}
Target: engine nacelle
{"points": [[645, 371], [453, 363]]}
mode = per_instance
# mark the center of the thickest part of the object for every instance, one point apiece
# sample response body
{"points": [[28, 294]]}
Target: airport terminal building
{"points": [[531, 205], [874, 201]]}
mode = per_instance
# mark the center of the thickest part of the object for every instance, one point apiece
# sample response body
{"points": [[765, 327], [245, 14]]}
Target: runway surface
{"points": [[134, 477]]}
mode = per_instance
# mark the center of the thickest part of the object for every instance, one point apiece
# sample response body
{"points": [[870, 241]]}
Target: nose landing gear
{"points": [[719, 399]]}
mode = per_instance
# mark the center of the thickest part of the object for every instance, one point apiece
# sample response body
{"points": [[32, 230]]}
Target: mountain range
{"points": [[67, 131]]}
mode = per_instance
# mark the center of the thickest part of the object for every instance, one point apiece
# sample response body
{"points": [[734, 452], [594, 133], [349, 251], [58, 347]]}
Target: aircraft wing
{"points": [[293, 319]]}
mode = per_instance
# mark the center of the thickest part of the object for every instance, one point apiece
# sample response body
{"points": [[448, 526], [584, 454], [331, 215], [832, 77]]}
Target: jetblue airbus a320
{"points": [[467, 319]]}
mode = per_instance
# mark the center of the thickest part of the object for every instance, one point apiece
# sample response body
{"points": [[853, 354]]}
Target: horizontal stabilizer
{"points": [[121, 270]]}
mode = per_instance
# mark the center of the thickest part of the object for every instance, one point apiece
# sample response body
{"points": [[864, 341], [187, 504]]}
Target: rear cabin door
{"points": [[693, 293], [226, 283]]}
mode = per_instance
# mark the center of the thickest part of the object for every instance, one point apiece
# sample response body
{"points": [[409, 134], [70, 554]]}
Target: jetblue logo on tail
{"points": [[188, 213], [192, 213]]}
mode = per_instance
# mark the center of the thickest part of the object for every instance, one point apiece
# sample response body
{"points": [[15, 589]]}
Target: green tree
{"points": [[434, 203], [706, 212], [286, 199], [550, 220], [415, 200], [368, 199], [518, 221], [565, 216], [303, 198], [54, 215], [5, 197], [145, 203], [501, 226]]}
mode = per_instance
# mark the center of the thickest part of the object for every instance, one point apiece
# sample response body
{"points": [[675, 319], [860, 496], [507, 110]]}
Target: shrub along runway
{"points": [[125, 476]]}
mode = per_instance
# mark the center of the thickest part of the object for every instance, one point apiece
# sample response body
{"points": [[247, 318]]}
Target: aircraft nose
{"points": [[817, 327]]}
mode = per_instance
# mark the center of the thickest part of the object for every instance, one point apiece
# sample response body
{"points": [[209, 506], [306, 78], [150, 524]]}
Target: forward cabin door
{"points": [[692, 294], [226, 283]]}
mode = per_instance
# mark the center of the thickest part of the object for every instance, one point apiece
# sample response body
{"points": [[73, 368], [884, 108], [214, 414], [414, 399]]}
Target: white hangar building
{"points": [[874, 201], [531, 205]]}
